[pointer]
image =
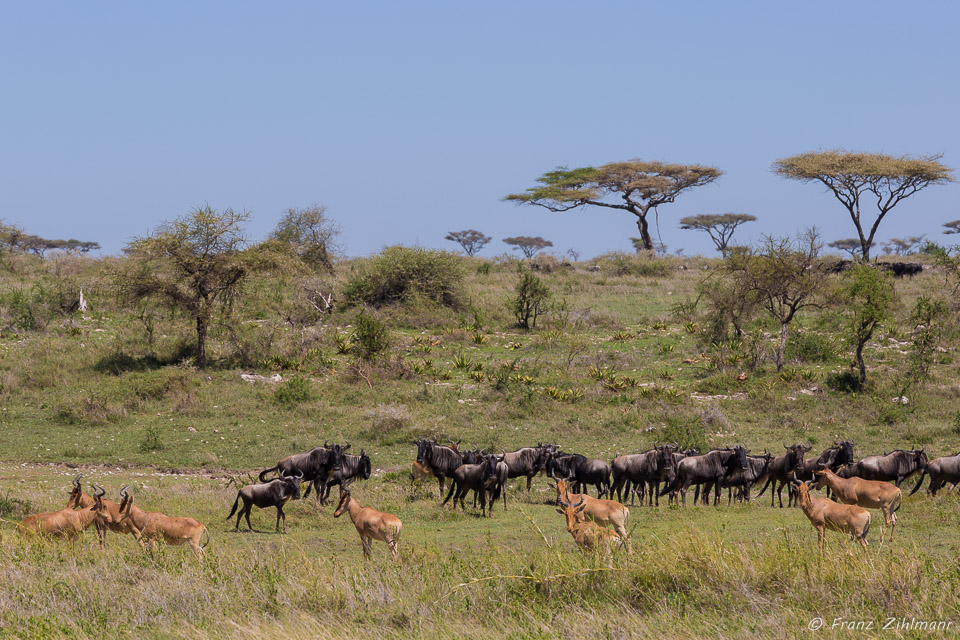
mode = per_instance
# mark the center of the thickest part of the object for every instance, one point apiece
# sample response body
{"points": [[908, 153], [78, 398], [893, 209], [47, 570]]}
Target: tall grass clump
{"points": [[293, 392], [401, 274]]}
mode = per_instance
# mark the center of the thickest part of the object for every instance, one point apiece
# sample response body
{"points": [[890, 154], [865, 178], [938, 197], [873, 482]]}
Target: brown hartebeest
{"points": [[587, 535], [370, 523], [156, 526], [606, 513], [64, 523], [110, 520], [827, 514], [871, 494]]}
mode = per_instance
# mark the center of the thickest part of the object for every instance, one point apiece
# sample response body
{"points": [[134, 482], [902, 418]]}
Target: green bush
{"points": [[620, 263], [294, 391], [151, 439], [688, 432], [809, 346], [370, 336], [844, 382], [401, 274], [531, 299]]}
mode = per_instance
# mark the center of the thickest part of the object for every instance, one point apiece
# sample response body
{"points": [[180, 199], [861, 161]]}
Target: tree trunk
{"points": [[201, 342], [644, 229], [782, 347], [860, 365]]}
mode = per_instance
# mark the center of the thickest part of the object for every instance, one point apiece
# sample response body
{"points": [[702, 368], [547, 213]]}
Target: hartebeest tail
{"points": [[370, 523]]}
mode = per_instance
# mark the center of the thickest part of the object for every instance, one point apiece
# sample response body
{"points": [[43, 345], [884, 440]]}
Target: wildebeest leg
{"points": [[239, 515], [281, 514], [249, 508], [441, 480], [683, 492], [311, 484], [717, 490], [483, 503], [529, 482], [952, 487], [779, 494]]}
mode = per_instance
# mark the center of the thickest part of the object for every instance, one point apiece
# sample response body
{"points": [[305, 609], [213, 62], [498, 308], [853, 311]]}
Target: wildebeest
{"points": [[834, 457], [582, 470], [497, 483], [943, 471], [649, 468], [474, 477], [710, 467], [894, 467], [782, 469], [872, 494], [827, 514], [314, 465], [351, 467], [440, 459], [528, 461], [742, 479], [274, 493]]}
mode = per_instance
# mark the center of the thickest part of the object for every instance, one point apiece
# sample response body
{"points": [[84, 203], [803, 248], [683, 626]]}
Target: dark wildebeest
{"points": [[833, 458], [351, 467], [582, 471], [649, 468], [314, 465], [943, 471], [528, 461], [782, 469], [893, 467], [274, 493], [440, 459], [710, 467], [474, 477], [758, 467], [497, 483]]}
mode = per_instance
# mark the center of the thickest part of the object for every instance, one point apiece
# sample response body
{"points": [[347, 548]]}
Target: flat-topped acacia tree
{"points": [[470, 239], [849, 245], [850, 175], [636, 186], [720, 226]]}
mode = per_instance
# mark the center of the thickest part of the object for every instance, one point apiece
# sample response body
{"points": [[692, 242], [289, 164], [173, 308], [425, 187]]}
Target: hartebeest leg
{"points": [[821, 536]]}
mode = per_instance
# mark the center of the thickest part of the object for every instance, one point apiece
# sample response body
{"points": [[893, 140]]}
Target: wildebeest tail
{"points": [[453, 485], [924, 473], [672, 486], [263, 474], [234, 510], [769, 480]]}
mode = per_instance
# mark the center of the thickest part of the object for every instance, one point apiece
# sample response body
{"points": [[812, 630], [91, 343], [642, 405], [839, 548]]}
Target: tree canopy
{"points": [[529, 245], [719, 226], [312, 235], [636, 186], [952, 227], [849, 245], [470, 239], [850, 175]]}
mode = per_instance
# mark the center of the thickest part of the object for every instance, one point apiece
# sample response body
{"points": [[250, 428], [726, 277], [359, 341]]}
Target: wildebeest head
{"points": [[740, 453], [474, 456], [919, 458], [666, 463], [336, 454], [291, 485], [795, 456], [365, 464]]}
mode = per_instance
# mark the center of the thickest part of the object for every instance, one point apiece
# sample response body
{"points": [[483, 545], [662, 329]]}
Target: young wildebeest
{"points": [[827, 514], [497, 483], [370, 523], [269, 494], [440, 459], [351, 467], [782, 469], [895, 466], [314, 465], [649, 468], [583, 470], [473, 477], [64, 523], [156, 526], [710, 467], [943, 471], [872, 494]]}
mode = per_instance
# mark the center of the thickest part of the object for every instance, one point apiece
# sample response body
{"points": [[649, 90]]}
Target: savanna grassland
{"points": [[619, 361]]}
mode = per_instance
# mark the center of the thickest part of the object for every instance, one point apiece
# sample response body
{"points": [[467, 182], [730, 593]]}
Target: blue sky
{"points": [[409, 120]]}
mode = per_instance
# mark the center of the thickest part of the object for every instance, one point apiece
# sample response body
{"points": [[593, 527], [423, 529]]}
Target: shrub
{"points": [[844, 382], [370, 336], [532, 296], [810, 346], [400, 274], [151, 439], [687, 432], [14, 507], [620, 263], [294, 391]]}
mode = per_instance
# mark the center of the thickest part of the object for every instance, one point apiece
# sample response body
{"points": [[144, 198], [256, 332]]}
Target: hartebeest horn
{"points": [[76, 481], [100, 491]]}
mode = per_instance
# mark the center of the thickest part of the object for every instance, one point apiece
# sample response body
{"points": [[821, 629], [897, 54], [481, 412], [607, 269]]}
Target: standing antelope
{"points": [[110, 518], [587, 535], [156, 526], [827, 514], [370, 523], [64, 523], [872, 494], [606, 513]]}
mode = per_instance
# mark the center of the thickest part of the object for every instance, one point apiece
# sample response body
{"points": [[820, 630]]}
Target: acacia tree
{"points": [[849, 176], [311, 233], [529, 245], [952, 227], [195, 264], [470, 239], [868, 294], [782, 277], [720, 226], [636, 186], [902, 246], [850, 245]]}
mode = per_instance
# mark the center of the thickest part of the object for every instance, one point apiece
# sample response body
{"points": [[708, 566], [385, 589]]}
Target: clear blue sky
{"points": [[412, 119]]}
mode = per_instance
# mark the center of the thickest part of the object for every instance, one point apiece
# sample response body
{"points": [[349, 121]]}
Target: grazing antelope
{"points": [[606, 513], [157, 526], [64, 523], [587, 535], [370, 523], [827, 514], [872, 494]]}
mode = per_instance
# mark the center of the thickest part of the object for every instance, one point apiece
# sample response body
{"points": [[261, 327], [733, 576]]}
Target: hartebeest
{"points": [[64, 523], [110, 519], [606, 513], [370, 523], [871, 494], [156, 526], [827, 514], [587, 535]]}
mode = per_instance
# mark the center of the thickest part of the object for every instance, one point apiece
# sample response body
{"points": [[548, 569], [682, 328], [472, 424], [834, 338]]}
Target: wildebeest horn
{"points": [[808, 447], [326, 444], [786, 447], [347, 446], [835, 443]]}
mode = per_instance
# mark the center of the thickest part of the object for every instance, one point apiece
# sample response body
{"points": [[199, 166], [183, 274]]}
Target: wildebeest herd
{"points": [[666, 470]]}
